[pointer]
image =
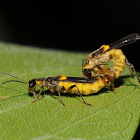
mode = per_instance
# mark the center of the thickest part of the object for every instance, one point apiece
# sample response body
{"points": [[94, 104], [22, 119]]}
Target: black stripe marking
{"points": [[80, 79]]}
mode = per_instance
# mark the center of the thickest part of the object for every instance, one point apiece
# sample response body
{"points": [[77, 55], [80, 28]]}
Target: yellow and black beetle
{"points": [[73, 85], [97, 60]]}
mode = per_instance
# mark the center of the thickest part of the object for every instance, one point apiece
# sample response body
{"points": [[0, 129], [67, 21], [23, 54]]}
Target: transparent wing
{"points": [[124, 41], [120, 43]]}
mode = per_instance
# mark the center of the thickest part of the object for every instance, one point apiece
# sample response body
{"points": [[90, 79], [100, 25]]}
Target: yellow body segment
{"points": [[114, 55], [117, 56], [38, 82], [84, 88], [105, 47], [63, 77]]}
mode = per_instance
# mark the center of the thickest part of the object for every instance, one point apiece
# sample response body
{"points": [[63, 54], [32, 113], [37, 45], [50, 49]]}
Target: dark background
{"points": [[72, 25]]}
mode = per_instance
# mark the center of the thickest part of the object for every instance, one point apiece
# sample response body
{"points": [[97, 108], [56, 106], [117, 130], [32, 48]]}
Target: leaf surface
{"points": [[112, 116]]}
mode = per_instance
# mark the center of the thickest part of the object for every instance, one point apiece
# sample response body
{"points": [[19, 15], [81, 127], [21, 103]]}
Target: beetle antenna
{"points": [[19, 80]]}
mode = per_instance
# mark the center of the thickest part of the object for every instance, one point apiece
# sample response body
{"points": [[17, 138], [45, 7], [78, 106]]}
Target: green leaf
{"points": [[112, 116]]}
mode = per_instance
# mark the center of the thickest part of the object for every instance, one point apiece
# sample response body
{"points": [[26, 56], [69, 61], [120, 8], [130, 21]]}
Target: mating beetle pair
{"points": [[94, 71]]}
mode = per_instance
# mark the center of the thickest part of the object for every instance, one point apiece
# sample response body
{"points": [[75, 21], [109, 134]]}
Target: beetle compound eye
{"points": [[49, 79], [87, 72], [32, 83]]}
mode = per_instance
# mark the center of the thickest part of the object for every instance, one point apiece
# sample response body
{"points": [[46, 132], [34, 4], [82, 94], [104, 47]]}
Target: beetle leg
{"points": [[79, 94], [131, 69]]}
